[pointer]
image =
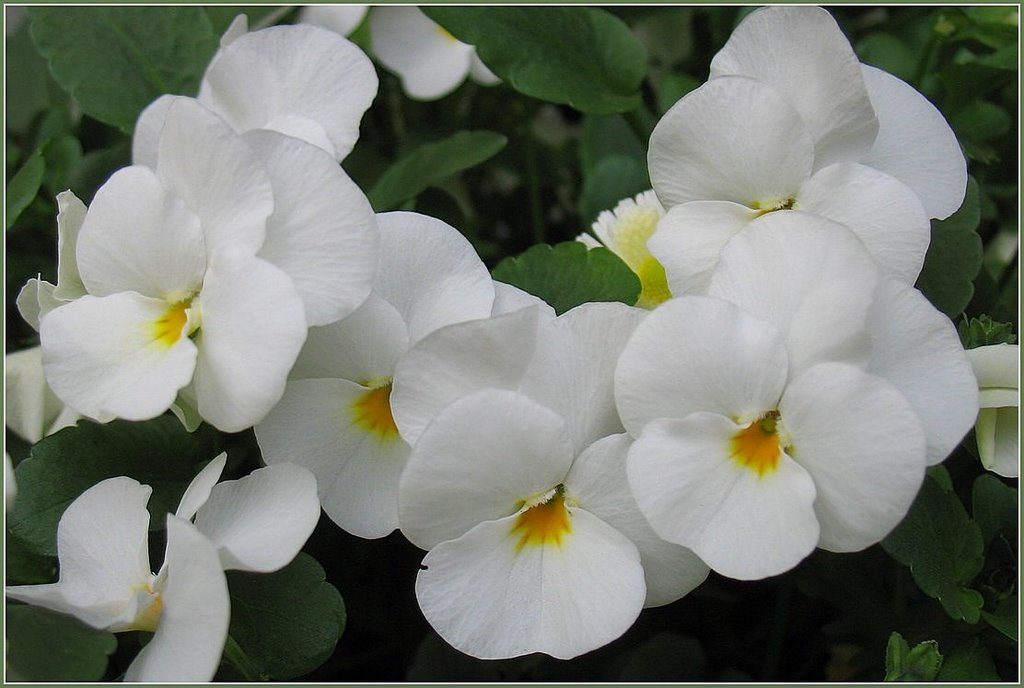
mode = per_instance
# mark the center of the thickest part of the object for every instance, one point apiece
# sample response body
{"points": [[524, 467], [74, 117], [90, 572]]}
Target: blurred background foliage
{"points": [[511, 171]]}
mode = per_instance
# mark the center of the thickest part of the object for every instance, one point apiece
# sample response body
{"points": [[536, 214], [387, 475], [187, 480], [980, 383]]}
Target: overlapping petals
{"points": [[997, 430]]}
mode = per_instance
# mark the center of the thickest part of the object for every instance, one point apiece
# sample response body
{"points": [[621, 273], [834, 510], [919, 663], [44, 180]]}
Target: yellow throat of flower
{"points": [[757, 446], [544, 523], [371, 411], [630, 227], [168, 328]]}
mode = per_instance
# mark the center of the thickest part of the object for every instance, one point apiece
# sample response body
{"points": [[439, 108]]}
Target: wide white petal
{"points": [[794, 269], [357, 471], [697, 353], [863, 446], [732, 139], [253, 329], [30, 406], [916, 349], [103, 357], [300, 80], [598, 483], [102, 544], [883, 212], [198, 491], [362, 347], [322, 233], [341, 19], [430, 273], [430, 62], [460, 359], [997, 367], [35, 299], [481, 459], [508, 299], [997, 432], [480, 73], [196, 610], [261, 521], [138, 237], [693, 493], [690, 238], [915, 144], [491, 601], [70, 216], [148, 127], [802, 54], [215, 172]]}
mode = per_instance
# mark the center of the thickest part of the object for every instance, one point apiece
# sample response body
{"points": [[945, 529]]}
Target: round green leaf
{"points": [[954, 257], [43, 645], [612, 179], [24, 186]]}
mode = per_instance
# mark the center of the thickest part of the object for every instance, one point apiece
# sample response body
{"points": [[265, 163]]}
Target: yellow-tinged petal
{"points": [[757, 446], [372, 412], [543, 524]]}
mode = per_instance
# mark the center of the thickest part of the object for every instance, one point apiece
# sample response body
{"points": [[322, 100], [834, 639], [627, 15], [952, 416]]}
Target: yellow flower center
{"points": [[372, 410], [757, 446], [634, 227], [167, 329], [766, 207], [544, 523]]}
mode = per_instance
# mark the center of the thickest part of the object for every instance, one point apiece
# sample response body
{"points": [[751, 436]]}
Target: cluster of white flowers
{"points": [[783, 388]]}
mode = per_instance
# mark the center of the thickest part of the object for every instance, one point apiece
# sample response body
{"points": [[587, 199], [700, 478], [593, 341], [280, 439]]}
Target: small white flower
{"points": [[341, 19], [430, 61], [997, 429], [31, 409], [257, 523], [625, 230]]}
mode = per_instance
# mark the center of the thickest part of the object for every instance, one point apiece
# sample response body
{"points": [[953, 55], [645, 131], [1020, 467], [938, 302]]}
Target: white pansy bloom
{"points": [[997, 430], [430, 61], [31, 409], [341, 19], [625, 230], [335, 415], [257, 523], [300, 80], [791, 120], [513, 420]]}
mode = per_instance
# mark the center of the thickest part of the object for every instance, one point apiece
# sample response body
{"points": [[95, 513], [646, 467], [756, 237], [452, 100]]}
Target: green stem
{"points": [[777, 633], [236, 657]]}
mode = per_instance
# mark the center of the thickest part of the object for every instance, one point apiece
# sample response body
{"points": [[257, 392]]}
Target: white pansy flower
{"points": [[300, 80], [997, 430], [430, 61], [513, 420], [258, 523], [625, 230], [791, 120], [341, 19], [335, 415], [31, 409]]}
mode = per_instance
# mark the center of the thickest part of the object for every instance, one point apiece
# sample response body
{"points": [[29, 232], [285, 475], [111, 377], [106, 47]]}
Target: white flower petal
{"points": [[29, 404], [863, 446], [479, 460], [198, 491], [430, 273], [322, 233], [253, 328], [802, 54], [430, 61], [732, 139], [70, 216], [460, 359], [362, 347], [238, 27], [996, 366], [883, 212], [998, 435], [107, 356], [690, 238], [915, 144], [598, 482], [138, 237], [491, 601], [341, 19], [35, 300], [697, 353], [508, 299], [193, 624], [480, 73], [357, 470], [261, 521], [301, 80], [916, 349], [148, 128], [743, 524], [791, 269], [217, 175]]}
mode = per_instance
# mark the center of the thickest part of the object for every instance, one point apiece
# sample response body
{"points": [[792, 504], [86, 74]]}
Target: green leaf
{"points": [[158, 453], [954, 257], [943, 549], [287, 622], [432, 163], [983, 331], [579, 56], [24, 186], [25, 567], [28, 77], [903, 663], [568, 274], [1004, 618], [971, 662], [63, 154], [889, 53], [116, 60], [994, 506], [43, 645], [608, 135], [673, 87], [612, 179]]}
